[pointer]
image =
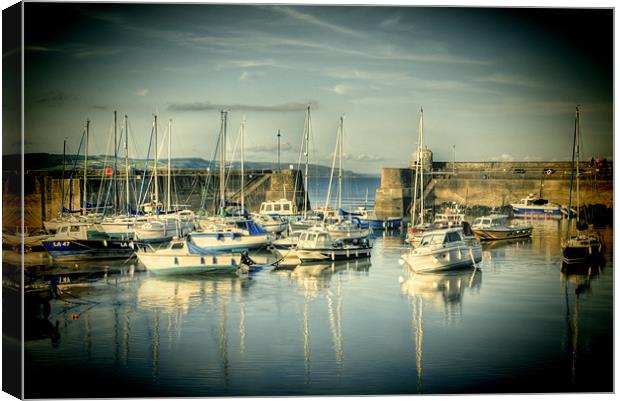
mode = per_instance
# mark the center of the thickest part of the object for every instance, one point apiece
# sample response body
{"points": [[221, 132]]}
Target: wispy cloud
{"points": [[395, 24], [142, 92], [205, 106], [514, 80], [504, 157], [53, 98], [312, 20], [341, 89], [284, 147]]}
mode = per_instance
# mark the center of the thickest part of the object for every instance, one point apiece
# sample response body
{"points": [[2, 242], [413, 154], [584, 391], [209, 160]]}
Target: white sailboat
{"points": [[167, 223], [418, 225], [229, 233]]}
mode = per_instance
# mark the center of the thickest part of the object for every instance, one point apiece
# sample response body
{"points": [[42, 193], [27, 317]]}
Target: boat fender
{"points": [[176, 260], [590, 250], [549, 171], [333, 256], [105, 243]]}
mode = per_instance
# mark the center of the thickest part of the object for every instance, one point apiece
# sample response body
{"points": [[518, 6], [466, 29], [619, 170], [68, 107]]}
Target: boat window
{"points": [[75, 229], [269, 208], [432, 239], [177, 246], [477, 221], [262, 207], [486, 221], [277, 208], [286, 207], [322, 238], [452, 237]]}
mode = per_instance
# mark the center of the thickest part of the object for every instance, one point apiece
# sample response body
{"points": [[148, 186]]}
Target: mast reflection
{"points": [[316, 281], [579, 277], [445, 289]]}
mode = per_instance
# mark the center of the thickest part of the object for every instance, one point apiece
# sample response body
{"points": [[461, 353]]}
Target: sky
{"points": [[494, 83]]}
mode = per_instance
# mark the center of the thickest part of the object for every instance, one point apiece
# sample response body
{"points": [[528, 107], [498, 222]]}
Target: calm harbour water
{"points": [[516, 325]]}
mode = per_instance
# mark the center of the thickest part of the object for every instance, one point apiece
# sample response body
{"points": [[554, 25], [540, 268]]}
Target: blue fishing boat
{"points": [[80, 241], [536, 207]]}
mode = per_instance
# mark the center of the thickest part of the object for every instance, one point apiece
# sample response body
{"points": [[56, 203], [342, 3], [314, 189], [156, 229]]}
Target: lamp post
{"points": [[453, 158], [278, 149]]}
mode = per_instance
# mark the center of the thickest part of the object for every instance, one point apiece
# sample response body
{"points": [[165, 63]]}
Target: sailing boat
{"points": [[417, 226], [585, 245], [229, 233], [345, 229], [167, 223], [308, 217]]}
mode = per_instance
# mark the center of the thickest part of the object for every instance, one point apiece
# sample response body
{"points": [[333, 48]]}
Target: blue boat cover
{"points": [[197, 250], [255, 229]]}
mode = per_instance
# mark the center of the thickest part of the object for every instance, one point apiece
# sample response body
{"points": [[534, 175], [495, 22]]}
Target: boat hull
{"points": [[73, 250], [169, 264], [537, 212], [387, 224], [229, 241], [488, 234], [443, 260], [578, 254], [314, 255]]}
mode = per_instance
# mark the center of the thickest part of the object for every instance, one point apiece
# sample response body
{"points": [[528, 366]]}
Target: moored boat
{"points": [[536, 207], [444, 249], [185, 257], [79, 241], [496, 227], [316, 244], [586, 245]]}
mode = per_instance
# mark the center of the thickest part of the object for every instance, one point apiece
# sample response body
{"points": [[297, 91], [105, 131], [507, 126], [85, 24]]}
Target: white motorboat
{"points": [[444, 249], [316, 244], [185, 257]]}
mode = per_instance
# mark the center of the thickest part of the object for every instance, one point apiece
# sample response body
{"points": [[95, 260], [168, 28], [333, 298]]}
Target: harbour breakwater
{"points": [[191, 188], [492, 184]]}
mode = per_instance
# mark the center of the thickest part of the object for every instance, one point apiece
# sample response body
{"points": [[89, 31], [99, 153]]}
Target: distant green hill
{"points": [[53, 162]]}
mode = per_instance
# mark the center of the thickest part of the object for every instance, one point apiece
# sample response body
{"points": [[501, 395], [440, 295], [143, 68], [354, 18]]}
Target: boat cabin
{"points": [[531, 200], [76, 231], [282, 207], [498, 220], [315, 239], [441, 237]]}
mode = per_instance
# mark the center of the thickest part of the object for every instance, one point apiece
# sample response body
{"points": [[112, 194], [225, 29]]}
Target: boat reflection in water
{"points": [[443, 289], [324, 281], [579, 278]]}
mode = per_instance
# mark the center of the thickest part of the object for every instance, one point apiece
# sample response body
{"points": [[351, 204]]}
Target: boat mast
{"points": [[577, 142], [341, 133], [422, 166], [155, 182], [224, 115], [127, 165], [572, 171], [115, 165], [417, 170], [242, 167], [62, 180], [168, 202], [84, 191], [307, 140]]}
